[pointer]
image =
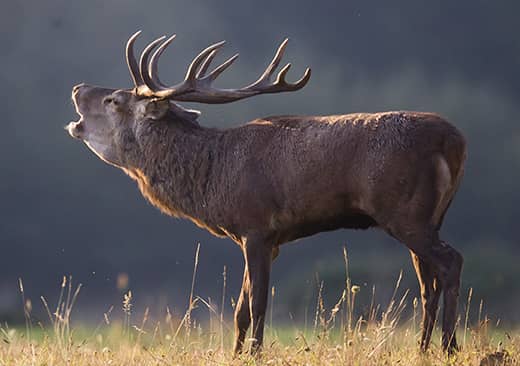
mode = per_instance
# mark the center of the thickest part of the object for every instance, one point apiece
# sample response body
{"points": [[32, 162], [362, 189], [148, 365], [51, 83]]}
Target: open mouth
{"points": [[75, 128]]}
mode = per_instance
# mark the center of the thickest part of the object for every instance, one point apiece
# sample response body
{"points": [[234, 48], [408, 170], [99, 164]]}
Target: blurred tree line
{"points": [[65, 212]]}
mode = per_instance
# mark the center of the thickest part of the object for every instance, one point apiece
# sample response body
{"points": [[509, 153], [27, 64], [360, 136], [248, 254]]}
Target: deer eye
{"points": [[110, 100]]}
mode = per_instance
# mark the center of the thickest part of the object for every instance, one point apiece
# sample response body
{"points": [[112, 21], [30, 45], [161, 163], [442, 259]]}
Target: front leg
{"points": [[258, 253], [242, 314]]}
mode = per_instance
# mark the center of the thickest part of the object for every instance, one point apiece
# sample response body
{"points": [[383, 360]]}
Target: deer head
{"points": [[111, 118]]}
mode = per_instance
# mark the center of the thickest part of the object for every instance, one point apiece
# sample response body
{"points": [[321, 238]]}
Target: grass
{"points": [[336, 336]]}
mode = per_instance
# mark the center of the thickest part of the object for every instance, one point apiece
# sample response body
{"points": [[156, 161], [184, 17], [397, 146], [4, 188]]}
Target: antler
{"points": [[196, 86]]}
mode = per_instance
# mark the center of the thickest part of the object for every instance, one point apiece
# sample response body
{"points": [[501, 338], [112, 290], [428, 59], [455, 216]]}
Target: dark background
{"points": [[63, 211]]}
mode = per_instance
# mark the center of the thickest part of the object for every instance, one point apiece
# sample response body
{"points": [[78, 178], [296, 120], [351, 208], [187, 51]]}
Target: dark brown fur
{"points": [[281, 178]]}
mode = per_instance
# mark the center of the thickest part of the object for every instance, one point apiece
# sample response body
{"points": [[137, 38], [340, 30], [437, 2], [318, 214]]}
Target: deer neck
{"points": [[177, 168]]}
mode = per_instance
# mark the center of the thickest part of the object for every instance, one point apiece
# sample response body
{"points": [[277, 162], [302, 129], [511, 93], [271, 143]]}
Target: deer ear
{"points": [[154, 108], [187, 114]]}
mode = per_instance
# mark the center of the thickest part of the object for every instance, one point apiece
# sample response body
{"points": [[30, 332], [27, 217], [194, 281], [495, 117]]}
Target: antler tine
{"points": [[280, 78], [303, 80], [192, 69], [264, 78], [143, 64], [154, 61], [284, 85], [132, 62], [205, 65], [220, 69]]}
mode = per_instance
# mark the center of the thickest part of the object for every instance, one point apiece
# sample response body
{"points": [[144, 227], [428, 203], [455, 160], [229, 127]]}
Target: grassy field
{"points": [[333, 336], [172, 343]]}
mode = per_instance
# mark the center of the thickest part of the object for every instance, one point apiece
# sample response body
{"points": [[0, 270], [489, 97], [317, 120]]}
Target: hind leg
{"points": [[430, 293], [450, 269], [446, 266]]}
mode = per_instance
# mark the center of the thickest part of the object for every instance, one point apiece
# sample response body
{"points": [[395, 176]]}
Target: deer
{"points": [[277, 179]]}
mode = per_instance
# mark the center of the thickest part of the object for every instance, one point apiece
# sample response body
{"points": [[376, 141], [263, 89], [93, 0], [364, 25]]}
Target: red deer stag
{"points": [[277, 179]]}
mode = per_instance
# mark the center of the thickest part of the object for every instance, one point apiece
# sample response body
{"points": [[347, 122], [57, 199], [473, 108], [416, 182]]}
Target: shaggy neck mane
{"points": [[174, 170]]}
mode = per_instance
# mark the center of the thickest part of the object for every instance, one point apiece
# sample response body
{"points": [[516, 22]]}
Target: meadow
{"points": [[383, 335]]}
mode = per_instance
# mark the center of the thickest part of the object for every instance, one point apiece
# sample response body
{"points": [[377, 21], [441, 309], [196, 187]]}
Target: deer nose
{"points": [[76, 89]]}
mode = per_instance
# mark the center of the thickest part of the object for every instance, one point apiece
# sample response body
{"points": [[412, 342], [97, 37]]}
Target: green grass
{"points": [[383, 335], [154, 344]]}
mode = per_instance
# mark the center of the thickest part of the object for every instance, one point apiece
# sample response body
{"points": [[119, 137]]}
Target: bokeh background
{"points": [[63, 211]]}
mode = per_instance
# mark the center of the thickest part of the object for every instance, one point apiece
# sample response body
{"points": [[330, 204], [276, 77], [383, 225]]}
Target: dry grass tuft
{"points": [[337, 337]]}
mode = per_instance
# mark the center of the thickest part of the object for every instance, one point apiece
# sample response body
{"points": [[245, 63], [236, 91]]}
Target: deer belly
{"points": [[315, 225]]}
